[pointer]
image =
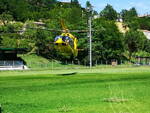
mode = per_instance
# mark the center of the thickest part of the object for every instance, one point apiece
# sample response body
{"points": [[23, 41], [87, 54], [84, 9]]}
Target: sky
{"points": [[142, 6]]}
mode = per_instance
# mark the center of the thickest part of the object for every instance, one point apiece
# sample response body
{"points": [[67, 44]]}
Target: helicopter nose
{"points": [[59, 41]]}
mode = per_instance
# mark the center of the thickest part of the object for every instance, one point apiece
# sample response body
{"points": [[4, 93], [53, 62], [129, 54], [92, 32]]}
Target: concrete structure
{"points": [[18, 67], [96, 16], [9, 59]]}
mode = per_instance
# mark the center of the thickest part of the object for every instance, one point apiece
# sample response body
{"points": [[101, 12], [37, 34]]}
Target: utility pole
{"points": [[90, 40], [89, 10]]}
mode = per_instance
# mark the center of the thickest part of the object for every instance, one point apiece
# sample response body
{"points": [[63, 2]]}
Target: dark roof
{"points": [[142, 56], [12, 50]]}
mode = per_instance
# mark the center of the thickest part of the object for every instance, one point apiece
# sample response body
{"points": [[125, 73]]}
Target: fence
{"points": [[67, 64], [10, 65], [79, 65]]}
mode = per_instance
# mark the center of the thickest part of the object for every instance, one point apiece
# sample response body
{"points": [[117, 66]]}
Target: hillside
{"points": [[34, 62]]}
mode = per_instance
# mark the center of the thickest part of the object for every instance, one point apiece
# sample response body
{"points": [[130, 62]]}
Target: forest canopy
{"points": [[108, 42]]}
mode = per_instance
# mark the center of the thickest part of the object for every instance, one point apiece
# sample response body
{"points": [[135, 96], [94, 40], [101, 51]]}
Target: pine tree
{"points": [[109, 13]]}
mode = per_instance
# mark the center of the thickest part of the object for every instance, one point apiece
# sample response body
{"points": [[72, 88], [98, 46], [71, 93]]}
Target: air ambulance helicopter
{"points": [[66, 43]]}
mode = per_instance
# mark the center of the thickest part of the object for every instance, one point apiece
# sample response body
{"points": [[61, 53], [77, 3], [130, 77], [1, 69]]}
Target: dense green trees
{"points": [[134, 41], [5, 18], [109, 13], [107, 42], [22, 10], [144, 23], [128, 15]]}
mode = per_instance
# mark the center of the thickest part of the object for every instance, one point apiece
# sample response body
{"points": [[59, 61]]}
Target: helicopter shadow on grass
{"points": [[68, 74]]}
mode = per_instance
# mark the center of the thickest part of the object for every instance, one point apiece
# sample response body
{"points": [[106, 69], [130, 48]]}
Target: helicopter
{"points": [[66, 43]]}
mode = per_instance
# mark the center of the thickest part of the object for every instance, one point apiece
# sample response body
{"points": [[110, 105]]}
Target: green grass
{"points": [[103, 90]]}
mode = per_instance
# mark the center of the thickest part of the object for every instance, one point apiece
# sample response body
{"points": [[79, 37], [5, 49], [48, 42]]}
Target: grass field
{"points": [[102, 90]]}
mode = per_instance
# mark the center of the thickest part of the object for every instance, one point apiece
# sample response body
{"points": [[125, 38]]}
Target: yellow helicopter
{"points": [[66, 43]]}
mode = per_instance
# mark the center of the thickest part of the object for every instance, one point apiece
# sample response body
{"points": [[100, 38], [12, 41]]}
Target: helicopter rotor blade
{"points": [[2, 34], [59, 30]]}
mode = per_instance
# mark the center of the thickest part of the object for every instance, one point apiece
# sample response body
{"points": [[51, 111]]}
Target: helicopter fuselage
{"points": [[66, 44]]}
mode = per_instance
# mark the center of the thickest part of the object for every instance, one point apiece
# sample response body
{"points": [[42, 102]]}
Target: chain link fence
{"points": [[80, 65], [53, 64]]}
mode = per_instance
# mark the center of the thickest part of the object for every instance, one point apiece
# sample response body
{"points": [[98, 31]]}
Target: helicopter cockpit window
{"points": [[66, 39], [57, 37]]}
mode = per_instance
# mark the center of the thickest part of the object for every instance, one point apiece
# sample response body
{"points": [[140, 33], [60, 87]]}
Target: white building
{"points": [[146, 33]]}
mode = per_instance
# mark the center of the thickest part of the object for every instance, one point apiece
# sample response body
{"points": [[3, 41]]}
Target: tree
{"points": [[3, 6], [134, 23], [134, 41], [0, 40], [75, 1], [130, 18], [144, 23], [88, 9], [123, 14], [128, 15], [109, 13], [133, 12], [5, 18], [107, 41], [19, 10], [146, 45]]}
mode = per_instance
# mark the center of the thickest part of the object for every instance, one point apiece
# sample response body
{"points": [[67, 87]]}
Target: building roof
{"points": [[146, 15], [146, 33], [12, 50]]}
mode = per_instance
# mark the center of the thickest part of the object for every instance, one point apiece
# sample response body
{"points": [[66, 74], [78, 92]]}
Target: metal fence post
{"points": [[96, 63], [78, 62], [106, 62], [84, 63], [13, 63], [52, 64]]}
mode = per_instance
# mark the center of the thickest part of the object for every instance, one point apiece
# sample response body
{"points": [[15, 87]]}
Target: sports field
{"points": [[100, 90]]}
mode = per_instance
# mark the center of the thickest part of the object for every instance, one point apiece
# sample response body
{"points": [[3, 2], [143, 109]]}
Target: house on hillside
{"points": [[146, 33], [145, 15], [66, 4]]}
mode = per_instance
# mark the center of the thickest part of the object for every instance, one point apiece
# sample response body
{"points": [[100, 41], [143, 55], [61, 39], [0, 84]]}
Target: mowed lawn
{"points": [[108, 90]]}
